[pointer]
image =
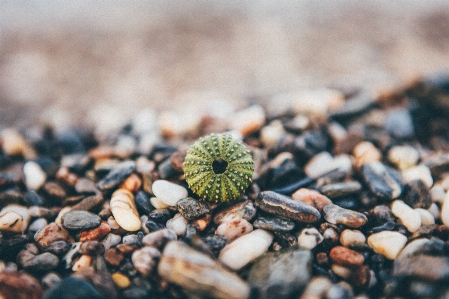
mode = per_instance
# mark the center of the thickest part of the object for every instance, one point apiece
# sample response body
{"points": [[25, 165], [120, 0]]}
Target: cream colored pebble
{"points": [[387, 243], [124, 210], [410, 218], [11, 222]]}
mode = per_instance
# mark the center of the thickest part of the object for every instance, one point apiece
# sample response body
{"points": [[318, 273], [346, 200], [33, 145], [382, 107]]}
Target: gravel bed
{"points": [[348, 199]]}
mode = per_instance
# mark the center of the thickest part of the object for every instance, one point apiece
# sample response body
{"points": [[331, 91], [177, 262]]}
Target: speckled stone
{"points": [[234, 229], [42, 262], [145, 260], [191, 208], [96, 233], [244, 210], [417, 195], [309, 238], [11, 222], [159, 238], [346, 257], [276, 224], [337, 215], [80, 220]]}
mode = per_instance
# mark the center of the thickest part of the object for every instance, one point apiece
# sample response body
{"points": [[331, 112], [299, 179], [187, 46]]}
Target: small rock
{"points": [[159, 215], [124, 210], [284, 206], [117, 175], [157, 203], [199, 274], [317, 288], [96, 233], [51, 233], [382, 180], [270, 135], [58, 248], [244, 210], [85, 185], [159, 238], [429, 268], [92, 248], [410, 218], [168, 192], [281, 274], [245, 249], [11, 222], [445, 211], [403, 156], [420, 172], [72, 288], [215, 242], [80, 220], [111, 240], [438, 164], [54, 191], [37, 225], [42, 262], [121, 281], [143, 202], [35, 176], [399, 123], [346, 257], [426, 217], [13, 144], [249, 120], [276, 224], [365, 152], [88, 203], [324, 162], [309, 238], [337, 215], [336, 190], [191, 208], [145, 259], [178, 224], [381, 214], [83, 262], [387, 243], [113, 257], [50, 280], [234, 229], [33, 199], [417, 195], [350, 237], [312, 198], [19, 285]]}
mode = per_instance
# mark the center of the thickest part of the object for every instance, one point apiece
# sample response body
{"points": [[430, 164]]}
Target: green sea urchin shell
{"points": [[218, 168]]}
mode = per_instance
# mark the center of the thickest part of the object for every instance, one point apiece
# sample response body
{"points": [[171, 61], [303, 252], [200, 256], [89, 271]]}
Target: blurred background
{"points": [[72, 63]]}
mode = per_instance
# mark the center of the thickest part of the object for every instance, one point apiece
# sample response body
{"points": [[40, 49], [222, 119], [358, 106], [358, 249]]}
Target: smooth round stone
{"points": [[58, 248], [199, 274], [20, 285], [248, 120], [124, 210], [143, 202], [11, 222], [37, 225], [316, 101], [417, 195], [403, 156], [346, 257], [80, 220], [42, 262], [178, 224], [341, 271], [387, 243], [72, 288], [276, 224], [410, 218], [33, 199], [420, 172], [145, 260], [426, 217], [168, 192], [341, 189], [365, 152], [111, 240], [350, 237], [22, 211], [324, 162], [337, 215], [317, 288], [383, 181], [117, 175], [426, 267], [285, 206], [437, 193], [35, 176], [191, 208], [271, 134], [159, 238], [234, 229], [312, 198], [120, 280], [309, 238], [399, 123], [157, 203], [245, 249]]}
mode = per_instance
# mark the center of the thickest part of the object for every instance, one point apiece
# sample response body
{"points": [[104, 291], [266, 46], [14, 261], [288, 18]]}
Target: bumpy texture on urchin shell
{"points": [[200, 175]]}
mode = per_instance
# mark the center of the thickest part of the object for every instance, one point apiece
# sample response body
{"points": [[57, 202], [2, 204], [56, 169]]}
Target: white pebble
{"points": [[35, 176], [178, 224], [309, 238], [421, 172], [325, 162], [11, 222], [341, 271], [318, 101], [233, 228], [13, 143], [22, 211], [157, 203], [168, 192], [426, 217], [445, 211], [124, 210], [349, 237], [412, 247], [245, 249], [403, 156], [249, 120], [410, 218], [387, 243], [435, 211], [113, 223], [270, 135], [437, 193], [125, 146]]}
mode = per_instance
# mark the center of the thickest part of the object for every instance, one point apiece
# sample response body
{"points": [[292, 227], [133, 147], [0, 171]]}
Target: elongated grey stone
{"points": [[383, 181]]}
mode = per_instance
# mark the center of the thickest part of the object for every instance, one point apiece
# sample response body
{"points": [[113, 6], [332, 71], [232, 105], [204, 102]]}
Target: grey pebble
{"points": [[58, 248], [159, 215], [159, 238], [117, 175], [191, 208], [438, 164], [88, 203], [142, 201], [417, 195], [337, 215], [285, 206], [85, 185], [42, 262], [431, 268], [72, 288], [399, 123], [273, 223], [383, 181], [281, 274], [80, 220], [33, 198], [131, 239], [215, 242], [341, 189]]}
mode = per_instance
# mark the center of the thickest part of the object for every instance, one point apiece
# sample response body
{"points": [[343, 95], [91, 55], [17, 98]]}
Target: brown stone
{"points": [[200, 224], [132, 183], [55, 190], [88, 203], [92, 248], [346, 257], [127, 248], [51, 233], [19, 285], [360, 277], [113, 257], [96, 233], [312, 198]]}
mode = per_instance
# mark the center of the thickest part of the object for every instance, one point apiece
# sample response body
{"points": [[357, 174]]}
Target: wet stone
{"points": [[19, 285], [284, 206], [73, 288], [341, 189], [278, 224], [281, 274], [159, 215], [143, 203], [42, 262], [191, 208], [80, 220], [382, 180], [199, 274], [416, 194], [117, 175], [337, 215]]}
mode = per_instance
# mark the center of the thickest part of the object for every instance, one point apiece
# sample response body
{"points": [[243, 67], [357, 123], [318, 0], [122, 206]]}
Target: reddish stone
{"points": [[346, 257], [127, 248], [322, 258], [360, 277], [51, 233], [19, 285], [96, 233], [132, 183], [113, 257], [200, 224], [312, 198]]}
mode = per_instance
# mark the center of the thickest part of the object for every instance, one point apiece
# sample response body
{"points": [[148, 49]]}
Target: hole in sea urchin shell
{"points": [[219, 166]]}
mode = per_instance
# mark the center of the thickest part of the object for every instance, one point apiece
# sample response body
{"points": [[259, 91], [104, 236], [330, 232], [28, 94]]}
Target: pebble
{"points": [[420, 172], [159, 238], [346, 257], [96, 233], [445, 211], [403, 156], [143, 203], [199, 274], [19, 285], [124, 210], [120, 280], [13, 143], [92, 248], [245, 249], [157, 203], [234, 229], [191, 208], [33, 198], [316, 101], [337, 215], [72, 288], [387, 243], [117, 175], [284, 206], [409, 217], [89, 203], [281, 274], [42, 262], [85, 185], [276, 224], [342, 189], [111, 240], [51, 233], [11, 222], [145, 260], [37, 225], [312, 198], [399, 123], [50, 280], [248, 120], [383, 181], [168, 192], [58, 248], [438, 164], [35, 176], [80, 220], [178, 224], [350, 237], [317, 288], [365, 152], [270, 135], [159, 215], [83, 262], [324, 162], [242, 210], [113, 257], [426, 267], [417, 195], [309, 238], [67, 259]]}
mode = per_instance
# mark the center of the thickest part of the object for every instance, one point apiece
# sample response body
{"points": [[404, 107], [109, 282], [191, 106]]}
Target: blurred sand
{"points": [[73, 62]]}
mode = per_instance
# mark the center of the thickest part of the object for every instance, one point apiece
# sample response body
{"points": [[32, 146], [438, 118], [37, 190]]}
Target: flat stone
{"points": [[42, 262], [337, 215], [199, 274], [383, 181], [73, 288], [117, 175], [346, 257], [274, 223], [80, 220], [191, 208], [285, 206], [124, 210], [88, 203], [19, 285], [417, 195], [336, 190], [312, 198], [387, 243], [245, 249], [281, 274], [168, 192]]}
